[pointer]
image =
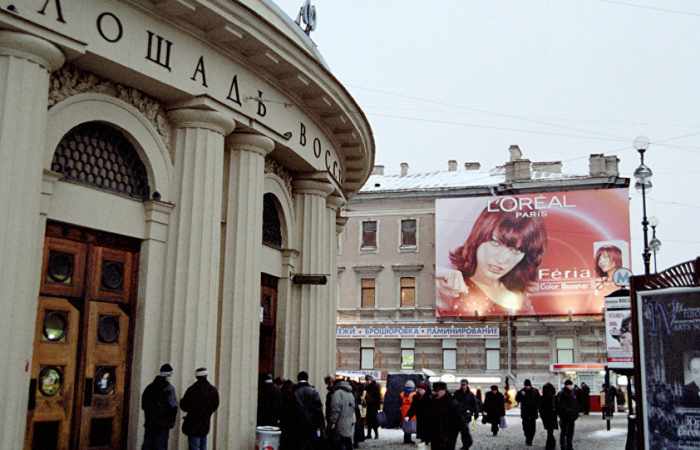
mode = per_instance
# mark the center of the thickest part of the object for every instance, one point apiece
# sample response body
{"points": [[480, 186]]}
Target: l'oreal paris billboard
{"points": [[533, 254]]}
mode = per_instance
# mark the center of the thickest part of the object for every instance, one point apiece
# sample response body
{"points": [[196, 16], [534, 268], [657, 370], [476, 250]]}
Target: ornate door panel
{"points": [[110, 274], [52, 386], [102, 387], [64, 268], [268, 305]]}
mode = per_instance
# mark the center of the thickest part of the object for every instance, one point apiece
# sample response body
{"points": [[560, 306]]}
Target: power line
{"points": [[652, 8]]}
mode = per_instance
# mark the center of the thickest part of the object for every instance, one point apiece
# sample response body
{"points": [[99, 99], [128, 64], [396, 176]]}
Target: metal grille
{"points": [[272, 228], [98, 155]]}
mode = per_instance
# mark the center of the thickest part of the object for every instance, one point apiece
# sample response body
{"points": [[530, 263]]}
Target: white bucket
{"points": [[267, 438]]}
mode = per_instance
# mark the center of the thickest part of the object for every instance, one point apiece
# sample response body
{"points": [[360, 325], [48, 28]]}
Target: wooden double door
{"points": [[268, 324], [78, 393]]}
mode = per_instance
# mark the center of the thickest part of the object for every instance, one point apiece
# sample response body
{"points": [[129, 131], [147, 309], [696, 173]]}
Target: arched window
{"points": [[98, 155], [272, 227]]}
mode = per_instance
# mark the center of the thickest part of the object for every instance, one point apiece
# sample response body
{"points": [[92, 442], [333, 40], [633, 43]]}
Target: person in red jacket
{"points": [[409, 390]]}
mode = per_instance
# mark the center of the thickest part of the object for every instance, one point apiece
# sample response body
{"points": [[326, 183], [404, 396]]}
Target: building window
{"points": [[449, 358], [407, 358], [369, 234], [408, 233], [272, 226], [565, 350], [368, 296], [367, 359], [493, 354], [408, 292]]}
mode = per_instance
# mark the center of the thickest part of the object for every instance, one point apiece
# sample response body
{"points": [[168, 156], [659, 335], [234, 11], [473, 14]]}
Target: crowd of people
{"points": [[353, 411]]}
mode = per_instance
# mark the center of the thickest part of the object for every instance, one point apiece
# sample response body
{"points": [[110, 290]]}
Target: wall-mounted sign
{"points": [[550, 253], [668, 327], [417, 331], [618, 332], [576, 367]]}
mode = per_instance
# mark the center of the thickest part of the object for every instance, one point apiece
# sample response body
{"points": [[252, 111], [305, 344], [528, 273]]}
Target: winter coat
{"points": [[548, 409], [341, 418], [466, 403], [529, 400], [159, 404], [420, 409], [199, 402], [373, 396], [406, 399], [567, 405], [269, 404], [444, 422], [494, 406], [309, 407]]}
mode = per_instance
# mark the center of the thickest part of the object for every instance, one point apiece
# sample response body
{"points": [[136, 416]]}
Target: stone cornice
{"points": [[31, 48], [368, 269], [407, 267]]}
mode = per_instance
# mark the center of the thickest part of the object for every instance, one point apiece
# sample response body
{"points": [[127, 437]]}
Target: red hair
{"points": [[613, 253], [526, 234]]}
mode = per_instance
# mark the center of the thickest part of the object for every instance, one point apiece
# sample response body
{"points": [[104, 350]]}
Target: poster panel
{"points": [[532, 254], [414, 331], [618, 333], [669, 344]]}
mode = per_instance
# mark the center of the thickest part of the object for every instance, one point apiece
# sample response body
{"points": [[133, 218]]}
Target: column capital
{"points": [[313, 183], [193, 117], [335, 202], [250, 142], [31, 48], [340, 224]]}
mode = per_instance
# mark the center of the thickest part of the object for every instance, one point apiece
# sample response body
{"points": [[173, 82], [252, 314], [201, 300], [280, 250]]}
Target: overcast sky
{"points": [[464, 79]]}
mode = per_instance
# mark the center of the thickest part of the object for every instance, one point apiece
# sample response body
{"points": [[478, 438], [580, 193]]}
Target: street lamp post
{"points": [[643, 177], [655, 243]]}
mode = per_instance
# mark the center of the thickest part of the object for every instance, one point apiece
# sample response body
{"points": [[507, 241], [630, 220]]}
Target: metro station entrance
{"points": [[78, 392]]}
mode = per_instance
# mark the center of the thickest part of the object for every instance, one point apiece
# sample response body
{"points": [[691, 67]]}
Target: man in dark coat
{"points": [[585, 398], [310, 412], [567, 410], [529, 400], [494, 408], [466, 403], [159, 404], [444, 419], [269, 402], [420, 409], [373, 402], [200, 401], [548, 414]]}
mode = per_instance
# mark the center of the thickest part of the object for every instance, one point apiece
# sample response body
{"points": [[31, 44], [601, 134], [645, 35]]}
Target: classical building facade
{"points": [[166, 168], [387, 319]]}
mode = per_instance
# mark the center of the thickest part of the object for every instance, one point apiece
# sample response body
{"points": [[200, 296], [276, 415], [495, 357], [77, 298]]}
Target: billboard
{"points": [[669, 348], [618, 333], [417, 331], [548, 253]]}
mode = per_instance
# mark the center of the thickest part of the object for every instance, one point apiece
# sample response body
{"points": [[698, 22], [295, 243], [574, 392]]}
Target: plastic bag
{"points": [[503, 423], [409, 426]]}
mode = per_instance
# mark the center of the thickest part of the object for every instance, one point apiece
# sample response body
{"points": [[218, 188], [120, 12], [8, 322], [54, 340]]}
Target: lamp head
{"points": [[641, 143]]}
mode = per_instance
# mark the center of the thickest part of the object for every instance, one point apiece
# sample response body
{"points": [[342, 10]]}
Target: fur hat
{"points": [[201, 372], [166, 370]]}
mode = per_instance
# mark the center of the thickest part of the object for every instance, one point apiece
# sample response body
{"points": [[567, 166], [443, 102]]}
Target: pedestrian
{"points": [[529, 400], [310, 413], [360, 413], [289, 417], [445, 420], [406, 397], [373, 402], [420, 409], [548, 414], [341, 417], [585, 398], [159, 404], [330, 386], [200, 401], [567, 410], [269, 402], [494, 408], [467, 407], [479, 403]]}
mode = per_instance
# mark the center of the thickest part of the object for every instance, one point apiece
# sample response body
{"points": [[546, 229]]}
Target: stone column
{"points": [[191, 289], [311, 300], [285, 325], [240, 304], [333, 205], [25, 63]]}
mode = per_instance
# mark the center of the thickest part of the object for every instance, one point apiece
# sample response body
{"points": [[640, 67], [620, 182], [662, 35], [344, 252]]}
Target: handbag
{"points": [[409, 426], [381, 418], [503, 423]]}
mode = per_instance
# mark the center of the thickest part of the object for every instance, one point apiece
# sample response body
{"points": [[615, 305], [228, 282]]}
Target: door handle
{"points": [[32, 394], [87, 397]]}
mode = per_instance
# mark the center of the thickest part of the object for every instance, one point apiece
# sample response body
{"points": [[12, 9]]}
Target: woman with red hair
{"points": [[495, 267], [607, 260]]}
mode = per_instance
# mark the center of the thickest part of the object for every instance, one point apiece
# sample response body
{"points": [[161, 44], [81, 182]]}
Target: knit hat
{"points": [[423, 386], [201, 372], [527, 383], [568, 383], [439, 386], [166, 370], [410, 384]]}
